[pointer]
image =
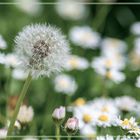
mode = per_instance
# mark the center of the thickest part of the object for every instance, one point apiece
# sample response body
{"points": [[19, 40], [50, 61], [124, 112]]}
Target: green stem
{"points": [[19, 103], [57, 132], [102, 12], [69, 137]]}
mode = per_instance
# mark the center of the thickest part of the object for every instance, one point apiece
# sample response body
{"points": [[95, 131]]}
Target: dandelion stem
{"points": [[57, 132], [19, 103]]}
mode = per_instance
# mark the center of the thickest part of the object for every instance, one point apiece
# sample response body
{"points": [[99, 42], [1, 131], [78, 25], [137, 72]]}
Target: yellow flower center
{"points": [[79, 102], [104, 109], [103, 118], [109, 74], [73, 62], [63, 83], [108, 63], [125, 122], [87, 118]]}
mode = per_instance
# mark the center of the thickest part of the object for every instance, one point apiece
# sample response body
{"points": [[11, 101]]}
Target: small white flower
{"points": [[25, 114], [84, 37], [105, 119], [126, 103], [105, 105], [138, 82], [107, 137], [65, 84], [3, 133], [76, 62], [29, 6], [42, 49], [111, 46], [19, 74], [16, 125], [59, 113], [109, 68], [135, 28], [72, 125], [88, 131], [29, 138], [11, 60], [70, 9], [3, 44], [127, 123]]}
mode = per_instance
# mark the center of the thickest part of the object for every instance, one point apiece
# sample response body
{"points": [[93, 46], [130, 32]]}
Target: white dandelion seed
{"points": [[42, 49]]}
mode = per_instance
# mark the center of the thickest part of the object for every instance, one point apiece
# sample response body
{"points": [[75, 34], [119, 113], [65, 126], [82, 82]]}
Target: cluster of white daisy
{"points": [[106, 113], [112, 60]]}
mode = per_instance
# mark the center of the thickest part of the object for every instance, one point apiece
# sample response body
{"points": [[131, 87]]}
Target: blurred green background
{"points": [[109, 20]]}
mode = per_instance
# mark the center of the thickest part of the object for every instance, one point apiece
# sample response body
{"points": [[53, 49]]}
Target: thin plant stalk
{"points": [[19, 103], [69, 137], [57, 132]]}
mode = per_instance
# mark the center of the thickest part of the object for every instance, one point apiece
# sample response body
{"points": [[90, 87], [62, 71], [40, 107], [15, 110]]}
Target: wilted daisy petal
{"points": [[42, 49], [84, 37]]}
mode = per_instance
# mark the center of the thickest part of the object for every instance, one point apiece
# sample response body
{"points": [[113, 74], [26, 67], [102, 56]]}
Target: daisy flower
{"points": [[126, 103], [71, 10], [84, 37], [127, 123], [76, 62], [41, 49], [107, 137], [65, 84], [19, 74], [3, 133], [111, 46], [105, 120], [29, 6], [88, 131], [25, 114], [135, 28]]}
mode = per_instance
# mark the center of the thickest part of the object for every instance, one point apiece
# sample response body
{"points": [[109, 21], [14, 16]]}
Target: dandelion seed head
{"points": [[42, 49]]}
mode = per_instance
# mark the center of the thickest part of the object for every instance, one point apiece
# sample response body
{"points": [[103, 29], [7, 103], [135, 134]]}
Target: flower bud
{"points": [[59, 114], [72, 125]]}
